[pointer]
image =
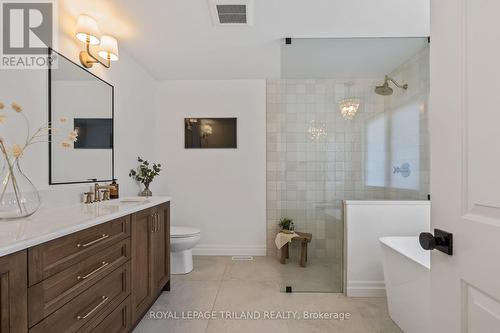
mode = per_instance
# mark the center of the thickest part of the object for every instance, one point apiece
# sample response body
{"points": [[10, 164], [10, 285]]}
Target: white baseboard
{"points": [[365, 289], [229, 250]]}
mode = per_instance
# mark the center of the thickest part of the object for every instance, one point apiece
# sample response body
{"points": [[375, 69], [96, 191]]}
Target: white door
{"points": [[465, 164]]}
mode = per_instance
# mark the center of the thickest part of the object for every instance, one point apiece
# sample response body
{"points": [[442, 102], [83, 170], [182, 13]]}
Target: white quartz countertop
{"points": [[51, 223]]}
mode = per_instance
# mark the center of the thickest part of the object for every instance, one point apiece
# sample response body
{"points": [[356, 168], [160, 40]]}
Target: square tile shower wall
{"points": [[316, 158]]}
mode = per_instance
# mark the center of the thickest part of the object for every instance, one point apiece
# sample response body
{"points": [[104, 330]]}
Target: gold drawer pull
{"points": [[154, 223], [101, 303], [103, 237], [104, 264]]}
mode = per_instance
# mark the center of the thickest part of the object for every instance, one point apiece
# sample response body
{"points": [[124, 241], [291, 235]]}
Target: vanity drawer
{"points": [[118, 321], [52, 293], [52, 257], [101, 298]]}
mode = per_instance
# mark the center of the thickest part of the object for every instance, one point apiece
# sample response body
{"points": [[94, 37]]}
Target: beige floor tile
{"points": [[371, 306], [320, 302], [382, 325], [337, 304], [188, 296], [376, 315], [171, 326], [206, 269], [327, 326], [247, 326], [235, 295], [259, 269], [220, 284], [317, 276], [312, 286]]}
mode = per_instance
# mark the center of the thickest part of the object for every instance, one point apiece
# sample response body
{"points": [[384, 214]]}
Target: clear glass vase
{"points": [[146, 192], [18, 196]]}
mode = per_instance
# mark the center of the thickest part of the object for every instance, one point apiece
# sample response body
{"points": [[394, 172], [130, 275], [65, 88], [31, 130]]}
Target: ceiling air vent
{"points": [[231, 12]]}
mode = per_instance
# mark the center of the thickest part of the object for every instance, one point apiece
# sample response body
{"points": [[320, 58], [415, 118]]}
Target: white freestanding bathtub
{"points": [[407, 282]]}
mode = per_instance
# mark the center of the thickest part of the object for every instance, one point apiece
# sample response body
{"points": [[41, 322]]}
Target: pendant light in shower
{"points": [[349, 105]]}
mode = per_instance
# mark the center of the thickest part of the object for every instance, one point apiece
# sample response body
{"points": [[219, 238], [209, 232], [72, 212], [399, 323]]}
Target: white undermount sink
{"points": [[126, 201], [133, 199]]}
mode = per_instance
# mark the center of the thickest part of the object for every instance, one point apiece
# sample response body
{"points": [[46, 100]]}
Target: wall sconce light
{"points": [[87, 31]]}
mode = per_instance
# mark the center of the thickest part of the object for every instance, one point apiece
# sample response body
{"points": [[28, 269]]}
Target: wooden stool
{"points": [[304, 238]]}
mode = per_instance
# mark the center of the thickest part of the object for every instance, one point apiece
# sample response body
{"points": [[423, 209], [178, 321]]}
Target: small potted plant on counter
{"points": [[286, 224], [145, 173]]}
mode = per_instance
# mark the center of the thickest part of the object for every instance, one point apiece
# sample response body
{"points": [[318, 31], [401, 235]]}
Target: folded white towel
{"points": [[284, 238]]}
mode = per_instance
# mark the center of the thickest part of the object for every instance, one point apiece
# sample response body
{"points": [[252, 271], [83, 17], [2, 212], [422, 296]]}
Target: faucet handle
{"points": [[88, 197], [105, 195]]}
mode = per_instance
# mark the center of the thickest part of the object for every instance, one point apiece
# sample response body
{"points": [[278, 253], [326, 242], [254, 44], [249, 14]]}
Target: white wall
{"points": [[134, 116], [367, 221], [220, 191]]}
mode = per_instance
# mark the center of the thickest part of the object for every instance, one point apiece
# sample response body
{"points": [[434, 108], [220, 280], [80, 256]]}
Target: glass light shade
{"points": [[206, 129], [317, 131], [108, 48], [349, 107], [86, 27]]}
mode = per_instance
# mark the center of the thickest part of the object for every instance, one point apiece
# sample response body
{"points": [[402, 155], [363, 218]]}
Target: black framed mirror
{"points": [[83, 102]]}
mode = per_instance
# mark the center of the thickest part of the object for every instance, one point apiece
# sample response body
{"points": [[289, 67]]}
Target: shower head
{"points": [[385, 90]]}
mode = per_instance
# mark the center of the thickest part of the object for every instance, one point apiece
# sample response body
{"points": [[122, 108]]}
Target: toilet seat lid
{"points": [[183, 231]]}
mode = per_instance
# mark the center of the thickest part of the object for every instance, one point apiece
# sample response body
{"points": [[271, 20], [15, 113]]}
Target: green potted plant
{"points": [[145, 174], [286, 223]]}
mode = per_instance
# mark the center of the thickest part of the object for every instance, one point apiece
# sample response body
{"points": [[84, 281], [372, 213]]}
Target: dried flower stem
{"points": [[5, 182], [12, 155], [27, 126], [11, 175]]}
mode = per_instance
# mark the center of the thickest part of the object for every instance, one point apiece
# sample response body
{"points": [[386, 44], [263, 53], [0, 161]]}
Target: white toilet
{"points": [[182, 241]]}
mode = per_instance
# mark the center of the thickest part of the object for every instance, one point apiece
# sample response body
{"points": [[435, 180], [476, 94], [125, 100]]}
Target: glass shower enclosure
{"points": [[332, 136]]}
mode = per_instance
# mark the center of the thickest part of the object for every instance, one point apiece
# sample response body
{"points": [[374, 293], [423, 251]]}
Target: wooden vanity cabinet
{"points": [[86, 308], [150, 257], [101, 279], [142, 262], [59, 254], [57, 290], [161, 249], [14, 293], [118, 321]]}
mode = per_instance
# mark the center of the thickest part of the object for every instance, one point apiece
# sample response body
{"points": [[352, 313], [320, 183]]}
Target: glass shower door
{"points": [[302, 153], [331, 136]]}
